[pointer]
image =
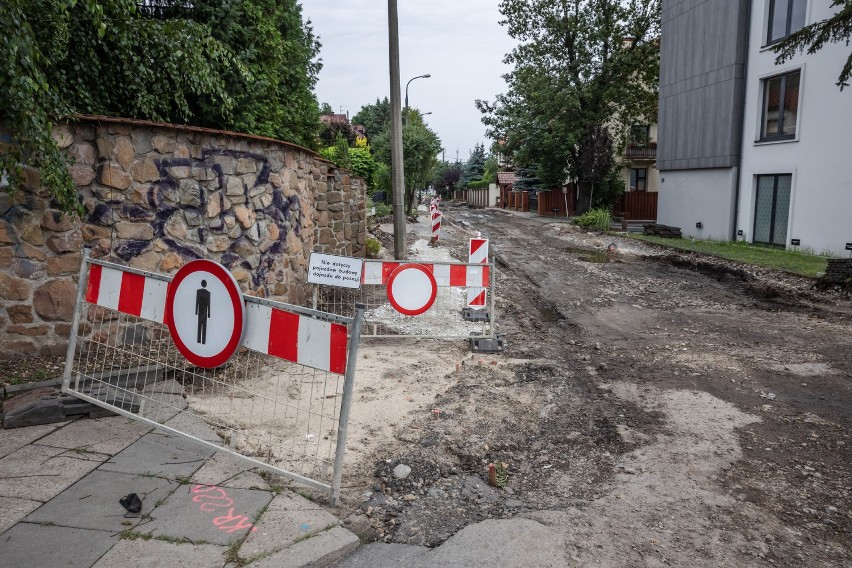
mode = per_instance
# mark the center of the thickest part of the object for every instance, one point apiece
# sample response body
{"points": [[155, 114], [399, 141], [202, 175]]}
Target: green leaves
{"points": [[572, 69], [815, 36], [245, 65]]}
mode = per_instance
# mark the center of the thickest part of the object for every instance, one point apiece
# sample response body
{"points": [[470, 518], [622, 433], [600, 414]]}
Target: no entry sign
{"points": [[412, 289], [205, 313]]}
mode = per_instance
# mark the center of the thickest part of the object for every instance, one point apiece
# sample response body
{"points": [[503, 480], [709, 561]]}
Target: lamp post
{"points": [[426, 76]]}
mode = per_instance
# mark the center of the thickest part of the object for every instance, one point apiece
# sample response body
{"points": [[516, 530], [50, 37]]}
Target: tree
{"points": [[815, 36], [363, 165], [279, 50], [420, 149], [446, 178], [246, 65], [491, 166], [595, 157], [375, 118], [578, 63], [332, 129], [474, 168], [526, 179]]}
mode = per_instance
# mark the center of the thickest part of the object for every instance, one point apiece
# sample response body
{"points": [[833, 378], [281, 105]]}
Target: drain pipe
{"points": [[742, 126]]}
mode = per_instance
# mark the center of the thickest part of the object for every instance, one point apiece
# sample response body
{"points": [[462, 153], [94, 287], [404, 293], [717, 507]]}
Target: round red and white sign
{"points": [[412, 289], [205, 313]]}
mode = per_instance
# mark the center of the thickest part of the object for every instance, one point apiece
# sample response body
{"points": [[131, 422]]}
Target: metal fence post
{"points": [[75, 324], [345, 403], [492, 319]]}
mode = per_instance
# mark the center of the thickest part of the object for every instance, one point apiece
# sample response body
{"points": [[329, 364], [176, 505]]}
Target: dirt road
{"points": [[651, 409]]}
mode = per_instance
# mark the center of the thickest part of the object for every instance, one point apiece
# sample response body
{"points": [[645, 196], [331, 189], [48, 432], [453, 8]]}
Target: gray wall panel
{"points": [[702, 68]]}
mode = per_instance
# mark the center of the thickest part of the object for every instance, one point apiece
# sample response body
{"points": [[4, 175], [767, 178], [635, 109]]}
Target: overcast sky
{"points": [[458, 42]]}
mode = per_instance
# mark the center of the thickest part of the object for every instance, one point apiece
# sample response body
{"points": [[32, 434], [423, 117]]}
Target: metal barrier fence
{"points": [[285, 416], [442, 321]]}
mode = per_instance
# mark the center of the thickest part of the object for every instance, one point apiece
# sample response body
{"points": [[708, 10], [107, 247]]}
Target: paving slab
{"points": [[93, 502], [102, 435], [40, 546], [227, 471], [513, 543], [288, 518], [380, 554], [16, 438], [211, 514], [39, 473], [322, 549], [507, 543], [157, 554], [13, 510], [161, 454], [193, 425], [162, 401]]}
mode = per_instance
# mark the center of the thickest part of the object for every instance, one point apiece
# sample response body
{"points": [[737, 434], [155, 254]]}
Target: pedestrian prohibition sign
{"points": [[205, 313]]}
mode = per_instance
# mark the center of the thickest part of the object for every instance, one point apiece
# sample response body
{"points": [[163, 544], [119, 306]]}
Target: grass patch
{"points": [[800, 263]]}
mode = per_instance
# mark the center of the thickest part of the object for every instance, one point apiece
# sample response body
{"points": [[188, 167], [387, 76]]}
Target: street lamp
{"points": [[426, 76]]}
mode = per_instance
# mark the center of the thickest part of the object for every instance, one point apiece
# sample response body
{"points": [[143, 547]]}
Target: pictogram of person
{"points": [[202, 310]]}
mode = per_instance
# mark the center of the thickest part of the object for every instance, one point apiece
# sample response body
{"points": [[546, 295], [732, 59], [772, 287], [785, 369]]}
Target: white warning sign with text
{"points": [[331, 270]]}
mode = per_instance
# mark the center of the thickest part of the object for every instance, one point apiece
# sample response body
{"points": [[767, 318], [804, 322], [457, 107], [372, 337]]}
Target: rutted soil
{"points": [[660, 409]]}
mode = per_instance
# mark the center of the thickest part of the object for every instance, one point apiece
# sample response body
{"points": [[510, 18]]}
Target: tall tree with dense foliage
{"points": [[446, 177], [246, 65], [420, 148], [578, 63], [474, 168], [814, 37], [375, 118]]}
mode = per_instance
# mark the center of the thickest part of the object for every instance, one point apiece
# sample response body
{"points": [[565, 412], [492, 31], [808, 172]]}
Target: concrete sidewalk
{"points": [[60, 487]]}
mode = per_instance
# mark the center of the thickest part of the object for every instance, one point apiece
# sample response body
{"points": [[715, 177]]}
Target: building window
{"points": [[640, 134], [785, 17], [638, 179], [772, 207], [780, 106]]}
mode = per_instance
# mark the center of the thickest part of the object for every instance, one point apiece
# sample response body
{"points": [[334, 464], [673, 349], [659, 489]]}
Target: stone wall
{"points": [[157, 196]]}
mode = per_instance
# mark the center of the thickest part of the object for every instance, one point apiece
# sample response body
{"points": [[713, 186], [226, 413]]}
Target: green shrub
{"points": [[478, 184], [382, 209], [373, 247], [598, 219]]}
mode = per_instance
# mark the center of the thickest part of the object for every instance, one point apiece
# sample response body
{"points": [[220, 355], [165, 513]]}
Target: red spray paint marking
{"points": [[211, 498]]}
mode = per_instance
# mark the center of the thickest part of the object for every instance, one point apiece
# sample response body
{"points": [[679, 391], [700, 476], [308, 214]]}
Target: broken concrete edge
{"points": [[317, 551]]}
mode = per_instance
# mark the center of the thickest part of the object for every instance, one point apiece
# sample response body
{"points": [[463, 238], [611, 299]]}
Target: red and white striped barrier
{"points": [[436, 224], [279, 333], [293, 337], [127, 292], [478, 253], [377, 272]]}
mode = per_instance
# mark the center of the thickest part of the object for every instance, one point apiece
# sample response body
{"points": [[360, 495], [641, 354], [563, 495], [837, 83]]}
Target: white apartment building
{"points": [[749, 149]]}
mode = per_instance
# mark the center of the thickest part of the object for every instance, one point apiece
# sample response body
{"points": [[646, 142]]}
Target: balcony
{"points": [[642, 152]]}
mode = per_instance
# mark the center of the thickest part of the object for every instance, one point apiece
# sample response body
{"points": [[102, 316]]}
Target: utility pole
{"points": [[397, 168]]}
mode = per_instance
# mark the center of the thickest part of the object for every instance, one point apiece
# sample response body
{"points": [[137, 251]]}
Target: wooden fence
{"points": [[637, 206]]}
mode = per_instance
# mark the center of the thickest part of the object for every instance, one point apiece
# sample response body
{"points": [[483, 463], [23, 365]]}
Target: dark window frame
{"points": [[775, 178], [644, 178], [782, 99], [644, 138], [788, 22]]}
